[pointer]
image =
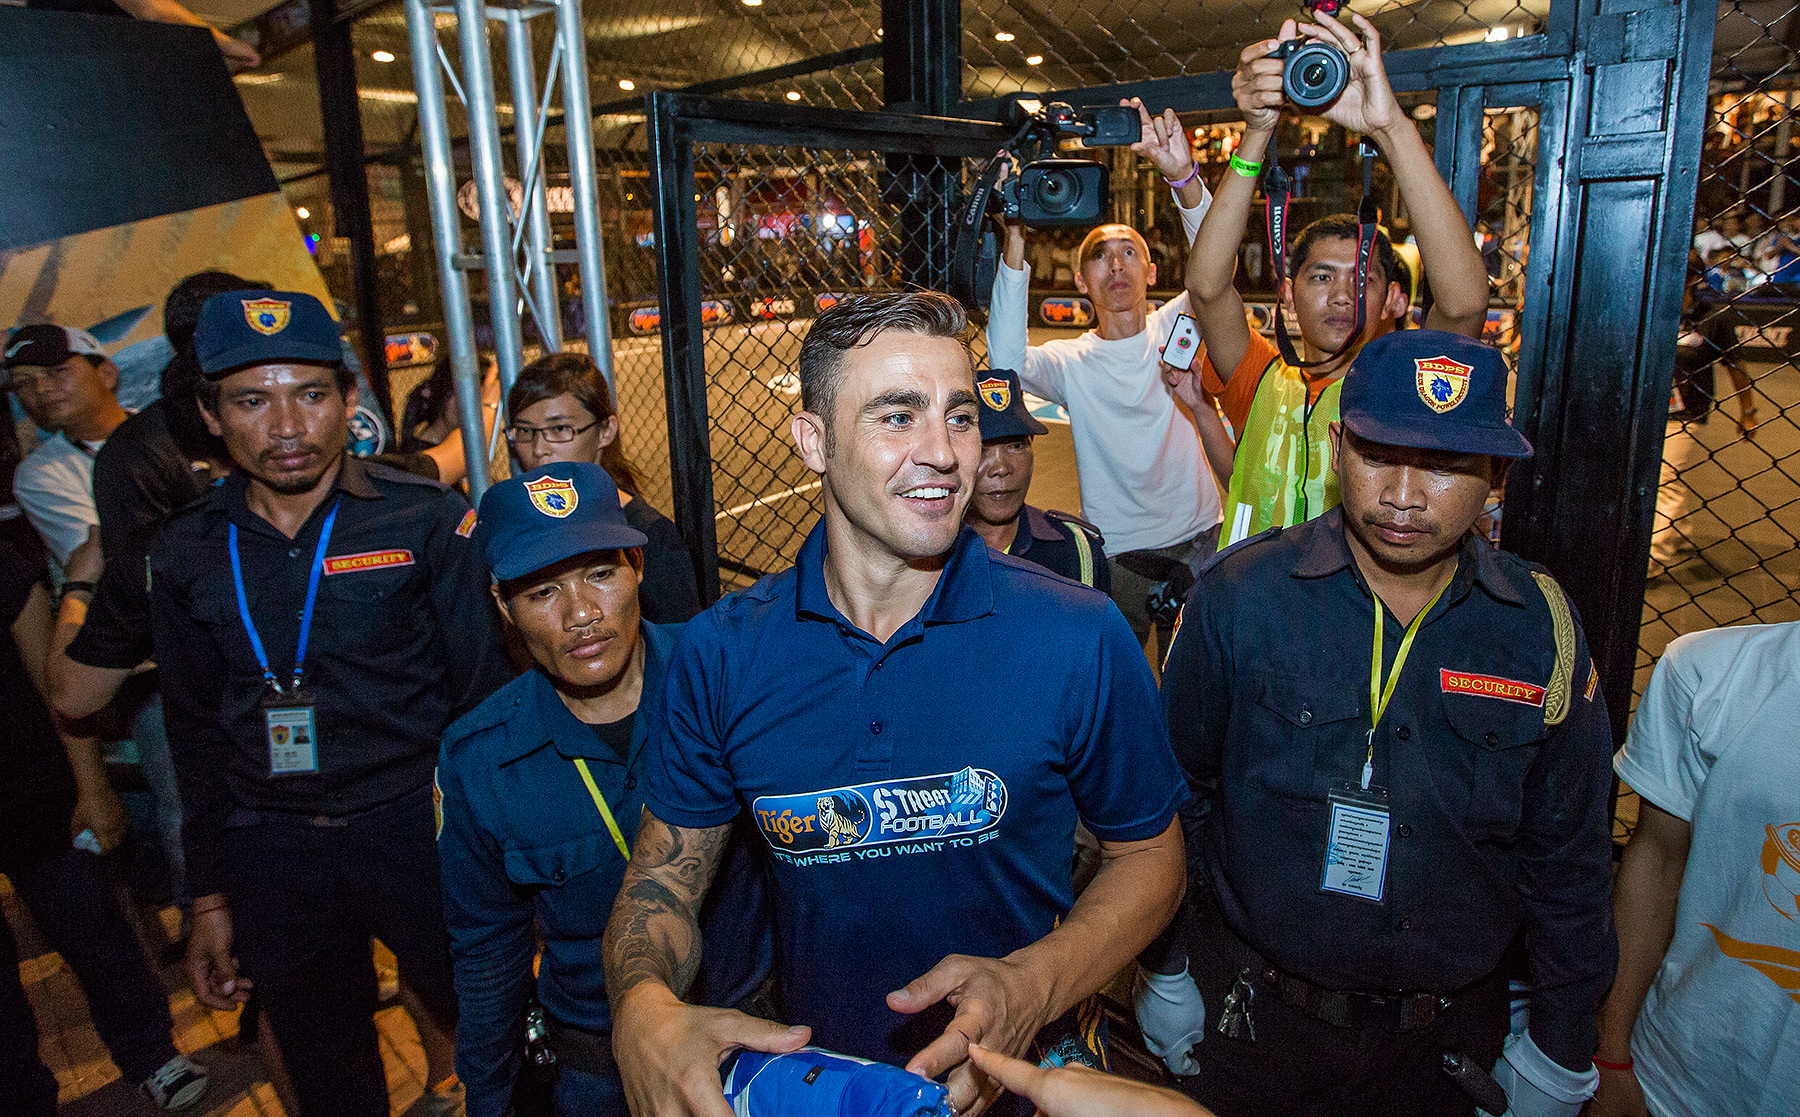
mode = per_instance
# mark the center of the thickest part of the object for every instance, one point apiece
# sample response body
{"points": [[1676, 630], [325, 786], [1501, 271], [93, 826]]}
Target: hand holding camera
{"points": [[1317, 66]]}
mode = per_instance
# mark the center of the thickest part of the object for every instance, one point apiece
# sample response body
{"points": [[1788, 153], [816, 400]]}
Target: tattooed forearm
{"points": [[654, 931]]}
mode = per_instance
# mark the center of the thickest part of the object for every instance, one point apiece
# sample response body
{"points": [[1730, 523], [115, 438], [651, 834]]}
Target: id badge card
{"points": [[1356, 842], [293, 733]]}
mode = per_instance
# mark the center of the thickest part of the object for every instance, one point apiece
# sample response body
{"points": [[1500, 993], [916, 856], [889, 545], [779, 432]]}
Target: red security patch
{"points": [[1490, 686], [467, 527], [368, 560]]}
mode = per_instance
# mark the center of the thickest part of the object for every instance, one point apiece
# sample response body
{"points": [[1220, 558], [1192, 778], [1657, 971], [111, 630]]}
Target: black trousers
{"points": [[305, 901], [76, 907], [1299, 1066]]}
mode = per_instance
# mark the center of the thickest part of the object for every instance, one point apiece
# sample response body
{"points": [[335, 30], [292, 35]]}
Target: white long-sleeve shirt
{"points": [[1144, 481]]}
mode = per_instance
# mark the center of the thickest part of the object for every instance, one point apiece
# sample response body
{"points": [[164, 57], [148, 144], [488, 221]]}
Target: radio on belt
{"points": [[811, 1082]]}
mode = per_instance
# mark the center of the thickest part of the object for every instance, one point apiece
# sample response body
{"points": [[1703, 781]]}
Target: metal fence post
{"points": [[490, 188], [579, 134], [538, 279]]}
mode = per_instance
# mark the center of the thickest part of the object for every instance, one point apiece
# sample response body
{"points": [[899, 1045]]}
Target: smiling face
{"points": [[1116, 272], [579, 618], [1408, 508], [283, 424], [1001, 481], [901, 463], [1322, 296]]}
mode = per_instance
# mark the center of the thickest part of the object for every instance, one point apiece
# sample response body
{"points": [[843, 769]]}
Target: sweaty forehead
{"points": [[1097, 240]]}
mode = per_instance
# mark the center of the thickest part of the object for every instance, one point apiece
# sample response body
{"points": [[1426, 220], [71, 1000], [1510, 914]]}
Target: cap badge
{"points": [[1443, 383], [995, 392], [553, 496], [267, 316]]}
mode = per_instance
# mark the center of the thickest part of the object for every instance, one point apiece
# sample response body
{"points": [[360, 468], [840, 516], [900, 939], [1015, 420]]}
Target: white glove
{"points": [[1537, 1085], [1172, 1014]]}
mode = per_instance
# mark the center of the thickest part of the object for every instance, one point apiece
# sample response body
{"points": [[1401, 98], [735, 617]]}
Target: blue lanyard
{"points": [[306, 614]]}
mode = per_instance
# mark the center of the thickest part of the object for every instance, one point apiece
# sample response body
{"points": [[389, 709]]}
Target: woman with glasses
{"points": [[562, 411]]}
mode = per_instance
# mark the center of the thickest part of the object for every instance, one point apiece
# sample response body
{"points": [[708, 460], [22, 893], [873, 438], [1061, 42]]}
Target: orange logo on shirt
{"points": [[1490, 686], [368, 560], [467, 527]]}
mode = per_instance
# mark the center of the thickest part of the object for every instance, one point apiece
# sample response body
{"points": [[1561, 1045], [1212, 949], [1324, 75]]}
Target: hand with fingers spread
{"points": [[1367, 105], [1163, 141], [999, 1003], [670, 1052], [1257, 83], [1078, 1091]]}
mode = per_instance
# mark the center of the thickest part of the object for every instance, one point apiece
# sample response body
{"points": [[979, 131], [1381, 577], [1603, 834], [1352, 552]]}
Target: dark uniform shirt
{"points": [[1049, 539], [1497, 819], [522, 838], [37, 788], [669, 593], [403, 638]]}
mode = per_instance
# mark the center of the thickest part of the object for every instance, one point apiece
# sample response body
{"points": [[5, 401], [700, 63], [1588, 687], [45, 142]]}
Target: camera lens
{"points": [[1314, 75], [1057, 192]]}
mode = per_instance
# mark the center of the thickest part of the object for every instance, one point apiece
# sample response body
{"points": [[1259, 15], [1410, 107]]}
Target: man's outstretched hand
{"points": [[1078, 1091], [998, 1002], [1368, 105], [1164, 142]]}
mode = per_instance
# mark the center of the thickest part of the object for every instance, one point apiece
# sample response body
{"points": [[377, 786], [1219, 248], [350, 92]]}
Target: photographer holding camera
{"points": [[1280, 412], [1143, 482]]}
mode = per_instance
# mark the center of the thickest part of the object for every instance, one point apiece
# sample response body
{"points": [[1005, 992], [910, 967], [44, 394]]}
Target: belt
{"points": [[1390, 1011], [581, 1049]]}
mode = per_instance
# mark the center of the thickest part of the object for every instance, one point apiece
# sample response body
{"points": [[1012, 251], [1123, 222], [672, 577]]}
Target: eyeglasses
{"points": [[560, 433]]}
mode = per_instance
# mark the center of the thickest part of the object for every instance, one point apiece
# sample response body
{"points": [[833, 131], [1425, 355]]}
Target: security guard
{"points": [[1058, 542], [1403, 761], [318, 621], [541, 796]]}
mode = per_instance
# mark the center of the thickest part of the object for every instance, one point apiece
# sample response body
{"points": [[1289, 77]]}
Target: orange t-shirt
{"points": [[1236, 395]]}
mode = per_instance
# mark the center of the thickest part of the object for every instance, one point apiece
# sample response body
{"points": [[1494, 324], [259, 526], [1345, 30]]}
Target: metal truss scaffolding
{"points": [[516, 252]]}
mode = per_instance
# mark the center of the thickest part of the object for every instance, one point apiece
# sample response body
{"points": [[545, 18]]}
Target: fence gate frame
{"points": [[1620, 87]]}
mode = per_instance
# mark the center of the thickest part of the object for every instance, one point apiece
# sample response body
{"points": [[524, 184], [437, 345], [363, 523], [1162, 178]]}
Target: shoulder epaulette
{"points": [[1077, 521], [1248, 541], [1562, 624]]}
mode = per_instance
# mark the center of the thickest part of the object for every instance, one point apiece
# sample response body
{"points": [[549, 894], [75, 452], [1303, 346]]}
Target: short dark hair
{"points": [[182, 381], [208, 388], [575, 374], [855, 322], [1343, 226], [181, 310]]}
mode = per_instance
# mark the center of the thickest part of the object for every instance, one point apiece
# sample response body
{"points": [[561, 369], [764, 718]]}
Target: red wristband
{"points": [[1604, 1065]]}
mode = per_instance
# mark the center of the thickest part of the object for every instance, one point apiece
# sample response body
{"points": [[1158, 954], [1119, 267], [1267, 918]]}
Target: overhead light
{"points": [[1003, 36], [382, 56], [1035, 60], [752, 3], [302, 212], [793, 94], [1496, 34], [627, 84]]}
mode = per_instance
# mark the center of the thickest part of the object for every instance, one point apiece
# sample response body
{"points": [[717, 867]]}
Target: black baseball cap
{"points": [[45, 346], [555, 512], [1003, 413], [1431, 390]]}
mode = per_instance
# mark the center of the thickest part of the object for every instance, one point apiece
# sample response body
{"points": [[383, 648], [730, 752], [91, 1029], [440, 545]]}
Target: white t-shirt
{"points": [[1716, 742], [55, 487], [1144, 481]]}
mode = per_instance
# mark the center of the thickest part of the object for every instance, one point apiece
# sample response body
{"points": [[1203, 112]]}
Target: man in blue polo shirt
{"points": [[916, 724]]}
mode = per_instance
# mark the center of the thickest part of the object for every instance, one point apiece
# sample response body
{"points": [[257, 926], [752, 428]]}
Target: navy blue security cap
{"points": [[555, 512], [1003, 413], [1431, 390], [242, 328]]}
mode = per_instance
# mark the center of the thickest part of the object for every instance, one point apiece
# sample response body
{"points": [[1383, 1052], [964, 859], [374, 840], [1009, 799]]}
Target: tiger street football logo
{"points": [[995, 392], [267, 316], [1443, 383], [921, 814], [553, 496]]}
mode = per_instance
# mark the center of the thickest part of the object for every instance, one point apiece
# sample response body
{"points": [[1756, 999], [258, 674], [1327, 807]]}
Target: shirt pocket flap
{"points": [[1494, 724], [551, 866], [1303, 703]]}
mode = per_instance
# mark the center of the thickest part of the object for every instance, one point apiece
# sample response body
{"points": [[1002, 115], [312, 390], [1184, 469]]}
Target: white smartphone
{"points": [[1183, 344]]}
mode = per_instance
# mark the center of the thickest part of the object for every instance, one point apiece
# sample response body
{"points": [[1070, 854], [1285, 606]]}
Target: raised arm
{"points": [[669, 1052], [1459, 281]]}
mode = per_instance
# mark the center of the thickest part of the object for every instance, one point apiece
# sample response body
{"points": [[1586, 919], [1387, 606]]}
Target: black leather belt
{"points": [[1393, 1012], [582, 1049]]}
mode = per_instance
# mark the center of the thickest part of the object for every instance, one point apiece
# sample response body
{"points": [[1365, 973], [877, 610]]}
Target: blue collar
{"points": [[549, 722], [964, 589], [1033, 526]]}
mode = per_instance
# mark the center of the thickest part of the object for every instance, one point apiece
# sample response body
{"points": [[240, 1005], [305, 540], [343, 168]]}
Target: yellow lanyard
{"points": [[1379, 692], [587, 777]]}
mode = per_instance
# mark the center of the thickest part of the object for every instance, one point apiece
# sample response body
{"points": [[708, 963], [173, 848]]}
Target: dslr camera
{"points": [[1313, 73]]}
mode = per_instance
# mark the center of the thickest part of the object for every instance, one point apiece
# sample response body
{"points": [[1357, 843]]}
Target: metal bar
{"points": [[921, 72], [720, 120], [446, 238], [341, 116], [578, 131], [805, 66], [538, 283], [490, 184], [683, 338]]}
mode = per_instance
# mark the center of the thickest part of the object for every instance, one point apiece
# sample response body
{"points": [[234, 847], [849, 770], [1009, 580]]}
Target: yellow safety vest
{"points": [[1282, 474]]}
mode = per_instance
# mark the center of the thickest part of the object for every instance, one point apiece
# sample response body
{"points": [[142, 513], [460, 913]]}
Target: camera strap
{"points": [[1277, 188], [965, 255]]}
